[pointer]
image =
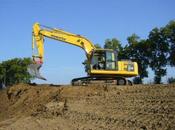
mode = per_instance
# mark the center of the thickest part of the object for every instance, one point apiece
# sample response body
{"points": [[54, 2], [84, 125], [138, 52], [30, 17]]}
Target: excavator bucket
{"points": [[33, 70]]}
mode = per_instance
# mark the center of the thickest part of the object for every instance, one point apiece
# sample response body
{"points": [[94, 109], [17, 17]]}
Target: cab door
{"points": [[110, 60]]}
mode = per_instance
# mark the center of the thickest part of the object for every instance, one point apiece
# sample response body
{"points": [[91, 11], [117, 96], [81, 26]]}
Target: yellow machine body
{"points": [[121, 71], [110, 65]]}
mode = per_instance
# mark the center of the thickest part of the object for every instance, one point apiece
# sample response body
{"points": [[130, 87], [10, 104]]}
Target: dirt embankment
{"points": [[87, 108]]}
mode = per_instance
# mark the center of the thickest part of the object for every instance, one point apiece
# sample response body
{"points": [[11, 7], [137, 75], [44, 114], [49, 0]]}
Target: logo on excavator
{"points": [[57, 37]]}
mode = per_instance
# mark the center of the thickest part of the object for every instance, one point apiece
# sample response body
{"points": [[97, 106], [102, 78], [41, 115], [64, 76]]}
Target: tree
{"points": [[137, 80], [169, 34], [15, 71], [158, 54], [2, 73], [112, 44], [136, 51], [171, 80], [133, 39], [98, 46]]}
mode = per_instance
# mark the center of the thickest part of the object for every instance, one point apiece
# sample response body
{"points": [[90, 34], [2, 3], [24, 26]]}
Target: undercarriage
{"points": [[100, 80]]}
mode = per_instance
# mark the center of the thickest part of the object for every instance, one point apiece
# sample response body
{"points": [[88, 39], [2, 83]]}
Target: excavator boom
{"points": [[59, 35]]}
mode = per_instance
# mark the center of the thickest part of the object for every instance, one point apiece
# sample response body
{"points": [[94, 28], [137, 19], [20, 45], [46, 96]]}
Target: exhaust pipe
{"points": [[33, 70]]}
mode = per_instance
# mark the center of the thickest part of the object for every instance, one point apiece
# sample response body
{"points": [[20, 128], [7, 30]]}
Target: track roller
{"points": [[121, 81]]}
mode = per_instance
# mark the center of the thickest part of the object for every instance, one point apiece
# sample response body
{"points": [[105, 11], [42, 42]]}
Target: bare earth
{"points": [[43, 107]]}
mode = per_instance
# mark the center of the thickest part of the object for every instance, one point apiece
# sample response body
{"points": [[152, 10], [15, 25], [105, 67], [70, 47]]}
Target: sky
{"points": [[97, 20]]}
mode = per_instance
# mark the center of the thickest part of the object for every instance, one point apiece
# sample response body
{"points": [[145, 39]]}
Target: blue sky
{"points": [[95, 19]]}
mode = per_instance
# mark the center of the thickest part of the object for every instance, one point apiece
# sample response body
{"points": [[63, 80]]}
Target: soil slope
{"points": [[96, 107]]}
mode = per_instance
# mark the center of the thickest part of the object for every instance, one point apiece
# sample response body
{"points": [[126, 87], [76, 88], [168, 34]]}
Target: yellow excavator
{"points": [[102, 64]]}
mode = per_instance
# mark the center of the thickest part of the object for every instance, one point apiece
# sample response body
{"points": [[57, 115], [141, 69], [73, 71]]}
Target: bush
{"points": [[15, 71], [171, 80]]}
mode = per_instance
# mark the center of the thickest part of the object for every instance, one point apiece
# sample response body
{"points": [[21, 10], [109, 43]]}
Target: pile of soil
{"points": [[96, 107]]}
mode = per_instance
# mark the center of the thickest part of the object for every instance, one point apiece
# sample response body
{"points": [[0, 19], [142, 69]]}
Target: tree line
{"points": [[14, 71], [156, 52]]}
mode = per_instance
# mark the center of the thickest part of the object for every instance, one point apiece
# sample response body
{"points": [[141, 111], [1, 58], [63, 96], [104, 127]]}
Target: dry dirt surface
{"points": [[96, 107]]}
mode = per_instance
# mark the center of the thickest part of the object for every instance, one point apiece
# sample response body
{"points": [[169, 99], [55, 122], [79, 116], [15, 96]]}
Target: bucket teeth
{"points": [[33, 70]]}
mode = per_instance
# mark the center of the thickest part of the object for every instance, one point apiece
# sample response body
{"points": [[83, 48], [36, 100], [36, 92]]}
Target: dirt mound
{"points": [[87, 108]]}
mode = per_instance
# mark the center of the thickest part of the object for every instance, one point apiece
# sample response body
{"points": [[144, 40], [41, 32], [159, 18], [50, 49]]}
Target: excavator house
{"points": [[101, 65]]}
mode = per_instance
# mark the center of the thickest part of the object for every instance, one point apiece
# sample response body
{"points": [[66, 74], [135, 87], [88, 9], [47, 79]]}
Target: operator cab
{"points": [[104, 60]]}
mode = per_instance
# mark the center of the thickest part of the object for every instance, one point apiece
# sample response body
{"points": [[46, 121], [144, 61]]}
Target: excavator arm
{"points": [[57, 34], [38, 36]]}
